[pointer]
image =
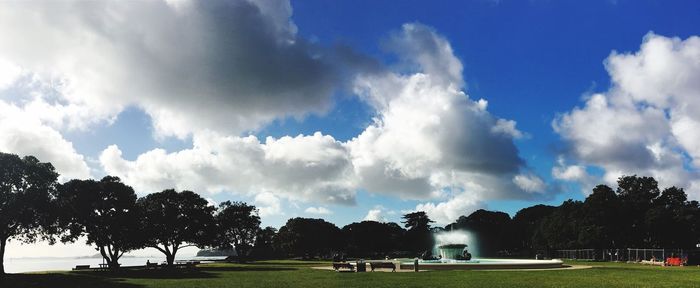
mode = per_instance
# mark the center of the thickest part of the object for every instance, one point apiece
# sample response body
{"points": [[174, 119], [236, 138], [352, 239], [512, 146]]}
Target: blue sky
{"points": [[161, 106]]}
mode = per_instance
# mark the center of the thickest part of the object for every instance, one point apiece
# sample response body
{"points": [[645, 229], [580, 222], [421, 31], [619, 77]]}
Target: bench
{"points": [[374, 265], [340, 265], [151, 265], [82, 267]]}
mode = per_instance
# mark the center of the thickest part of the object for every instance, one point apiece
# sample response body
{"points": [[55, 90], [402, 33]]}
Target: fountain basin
{"points": [[482, 264], [451, 251]]}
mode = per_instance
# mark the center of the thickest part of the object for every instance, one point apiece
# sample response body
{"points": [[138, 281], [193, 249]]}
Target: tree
{"points": [[560, 230], [637, 196], [105, 212], [372, 239], [305, 237], [418, 238], [600, 219], [264, 247], [491, 228], [27, 191], [417, 220], [237, 225], [666, 218], [525, 224], [174, 220]]}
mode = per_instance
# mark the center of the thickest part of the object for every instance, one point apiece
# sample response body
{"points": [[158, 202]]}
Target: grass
{"points": [[290, 274]]}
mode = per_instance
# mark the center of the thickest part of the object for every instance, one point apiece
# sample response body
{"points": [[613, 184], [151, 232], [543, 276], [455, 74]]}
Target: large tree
{"points": [[237, 226], [600, 219], [304, 237], [264, 247], [492, 230], [103, 211], [636, 196], [525, 224], [27, 190], [418, 237], [174, 220], [372, 239]]}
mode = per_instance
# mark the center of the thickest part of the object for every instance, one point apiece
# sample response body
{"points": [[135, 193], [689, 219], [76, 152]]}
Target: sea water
{"points": [[20, 265]]}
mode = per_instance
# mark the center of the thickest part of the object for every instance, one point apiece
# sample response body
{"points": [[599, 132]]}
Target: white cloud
{"points": [[448, 211], [647, 123], [24, 135], [429, 140], [318, 210], [229, 66], [217, 70], [9, 73], [306, 168], [375, 215], [268, 204], [530, 183]]}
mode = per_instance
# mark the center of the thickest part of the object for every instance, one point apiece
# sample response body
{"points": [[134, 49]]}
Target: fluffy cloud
{"points": [[375, 215], [216, 70], [268, 204], [430, 140], [427, 141], [312, 167], [23, 134], [229, 66], [647, 123], [318, 211]]}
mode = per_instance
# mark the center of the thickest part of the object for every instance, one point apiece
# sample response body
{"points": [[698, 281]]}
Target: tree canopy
{"points": [[237, 226], [174, 220], [103, 211], [305, 237], [27, 193], [372, 239]]}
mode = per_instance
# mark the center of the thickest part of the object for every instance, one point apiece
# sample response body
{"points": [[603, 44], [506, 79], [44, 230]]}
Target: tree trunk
{"points": [[3, 242], [115, 259], [171, 259]]}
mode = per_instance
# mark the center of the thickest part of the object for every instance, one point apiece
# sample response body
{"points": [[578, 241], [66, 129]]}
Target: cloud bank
{"points": [[648, 123], [216, 70]]}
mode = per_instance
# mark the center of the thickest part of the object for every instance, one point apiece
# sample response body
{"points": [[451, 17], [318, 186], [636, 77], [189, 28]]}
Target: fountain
{"points": [[451, 247], [454, 252]]}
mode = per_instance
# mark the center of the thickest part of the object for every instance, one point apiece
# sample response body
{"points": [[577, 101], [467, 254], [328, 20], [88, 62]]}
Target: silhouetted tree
{"points": [[637, 196], [305, 237], [371, 238], [525, 223], [665, 219], [491, 229], [175, 220], [105, 212], [264, 247], [600, 224], [560, 229], [237, 225], [418, 237], [27, 190]]}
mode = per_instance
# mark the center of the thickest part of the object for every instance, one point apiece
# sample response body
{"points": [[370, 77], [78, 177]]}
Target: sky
{"points": [[354, 110]]}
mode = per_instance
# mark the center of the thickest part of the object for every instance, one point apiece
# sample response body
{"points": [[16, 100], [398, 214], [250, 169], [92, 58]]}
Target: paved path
{"points": [[568, 267]]}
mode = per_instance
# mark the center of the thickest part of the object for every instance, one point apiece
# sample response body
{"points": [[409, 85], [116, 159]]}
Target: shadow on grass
{"points": [[247, 268], [61, 280], [150, 274], [295, 263]]}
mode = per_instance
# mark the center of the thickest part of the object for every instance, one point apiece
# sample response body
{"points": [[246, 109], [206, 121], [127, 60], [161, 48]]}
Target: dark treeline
{"points": [[108, 213]]}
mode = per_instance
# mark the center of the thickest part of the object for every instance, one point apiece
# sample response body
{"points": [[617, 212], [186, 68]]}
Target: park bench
{"points": [[374, 265], [151, 265], [340, 265], [82, 267]]}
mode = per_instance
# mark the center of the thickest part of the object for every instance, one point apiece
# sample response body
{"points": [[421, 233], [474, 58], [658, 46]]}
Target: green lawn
{"points": [[289, 274]]}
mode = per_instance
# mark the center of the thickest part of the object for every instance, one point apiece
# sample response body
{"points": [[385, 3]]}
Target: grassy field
{"points": [[289, 274]]}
